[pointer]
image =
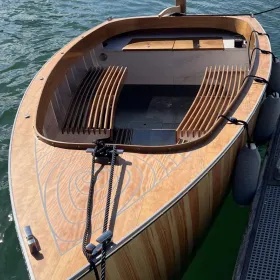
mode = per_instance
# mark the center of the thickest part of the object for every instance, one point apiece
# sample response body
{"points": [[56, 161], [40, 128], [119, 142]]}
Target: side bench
{"points": [[92, 108], [219, 88]]}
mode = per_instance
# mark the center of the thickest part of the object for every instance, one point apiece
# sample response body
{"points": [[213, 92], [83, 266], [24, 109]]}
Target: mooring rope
{"points": [[99, 150], [232, 14], [235, 121], [87, 234], [266, 11], [106, 215]]}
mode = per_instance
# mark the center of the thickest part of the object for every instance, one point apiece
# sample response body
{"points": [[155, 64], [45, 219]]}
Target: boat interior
{"points": [[148, 87]]}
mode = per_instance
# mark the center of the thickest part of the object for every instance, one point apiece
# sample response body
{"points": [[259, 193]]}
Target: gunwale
{"points": [[67, 55], [26, 176]]}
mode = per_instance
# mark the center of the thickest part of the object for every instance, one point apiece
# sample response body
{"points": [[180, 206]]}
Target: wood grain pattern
{"points": [[156, 221], [183, 45], [211, 44], [149, 45]]}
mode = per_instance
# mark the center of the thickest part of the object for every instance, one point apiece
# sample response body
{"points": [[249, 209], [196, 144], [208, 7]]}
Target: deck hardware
{"points": [[90, 248], [97, 250], [105, 237], [103, 57], [31, 241], [103, 151], [27, 116], [109, 18], [41, 79]]}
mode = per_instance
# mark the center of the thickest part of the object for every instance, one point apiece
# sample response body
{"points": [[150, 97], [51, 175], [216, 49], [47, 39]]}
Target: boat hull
{"points": [[156, 235]]}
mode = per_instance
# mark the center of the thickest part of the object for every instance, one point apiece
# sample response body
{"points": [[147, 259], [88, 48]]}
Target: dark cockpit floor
{"points": [[153, 112]]}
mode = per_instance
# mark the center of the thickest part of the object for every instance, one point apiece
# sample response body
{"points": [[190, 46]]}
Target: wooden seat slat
{"points": [[100, 97], [199, 114], [225, 104], [90, 101], [217, 102], [218, 90], [115, 97], [71, 109], [78, 108], [191, 112], [105, 96], [210, 105], [111, 96], [91, 108], [96, 98]]}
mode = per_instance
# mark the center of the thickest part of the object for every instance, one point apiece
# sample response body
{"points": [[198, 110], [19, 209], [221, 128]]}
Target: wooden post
{"points": [[182, 4]]}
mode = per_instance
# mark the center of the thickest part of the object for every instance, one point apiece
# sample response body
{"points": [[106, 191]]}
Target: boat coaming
{"points": [[159, 229], [69, 55]]}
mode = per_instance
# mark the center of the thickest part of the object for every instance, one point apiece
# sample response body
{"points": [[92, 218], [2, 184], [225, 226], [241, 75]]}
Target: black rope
{"points": [[235, 121], [249, 43], [266, 11], [263, 52], [87, 234], [106, 216], [257, 79], [269, 90]]}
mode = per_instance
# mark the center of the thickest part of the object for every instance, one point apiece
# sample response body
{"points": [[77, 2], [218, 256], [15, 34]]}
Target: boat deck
{"points": [[259, 256], [48, 187]]}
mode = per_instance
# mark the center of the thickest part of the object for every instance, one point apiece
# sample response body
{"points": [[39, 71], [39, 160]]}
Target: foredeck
{"points": [[49, 184]]}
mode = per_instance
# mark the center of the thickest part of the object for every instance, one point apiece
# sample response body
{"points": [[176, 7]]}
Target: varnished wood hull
{"points": [[163, 249], [169, 198]]}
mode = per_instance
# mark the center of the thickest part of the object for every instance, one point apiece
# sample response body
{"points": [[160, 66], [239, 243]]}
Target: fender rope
{"points": [[235, 121]]}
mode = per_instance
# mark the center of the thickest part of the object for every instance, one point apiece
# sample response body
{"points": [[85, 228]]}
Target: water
{"points": [[30, 32]]}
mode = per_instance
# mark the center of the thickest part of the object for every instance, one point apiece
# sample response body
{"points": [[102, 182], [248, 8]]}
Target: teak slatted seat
{"points": [[219, 88], [93, 105]]}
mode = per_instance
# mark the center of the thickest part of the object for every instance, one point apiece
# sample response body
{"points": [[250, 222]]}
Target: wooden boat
{"points": [[155, 87]]}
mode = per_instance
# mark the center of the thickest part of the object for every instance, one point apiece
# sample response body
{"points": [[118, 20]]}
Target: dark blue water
{"points": [[30, 33]]}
